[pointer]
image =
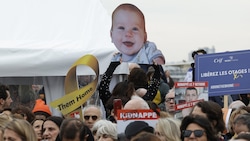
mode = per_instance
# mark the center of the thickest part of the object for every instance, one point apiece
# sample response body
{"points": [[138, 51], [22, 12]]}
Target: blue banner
{"points": [[226, 73]]}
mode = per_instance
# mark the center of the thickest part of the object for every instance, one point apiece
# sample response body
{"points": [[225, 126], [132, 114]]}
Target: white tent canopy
{"points": [[43, 38], [40, 40]]}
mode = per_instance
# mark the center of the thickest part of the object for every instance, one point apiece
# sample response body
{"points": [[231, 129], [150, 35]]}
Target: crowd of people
{"points": [[147, 87], [205, 122]]}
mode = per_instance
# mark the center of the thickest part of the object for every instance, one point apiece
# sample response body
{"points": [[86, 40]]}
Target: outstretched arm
{"points": [[153, 84], [104, 92]]}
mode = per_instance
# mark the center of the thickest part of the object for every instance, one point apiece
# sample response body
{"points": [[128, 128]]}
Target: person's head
{"points": [[4, 119], [84, 80], [233, 116], [91, 114], [37, 126], [191, 94], [42, 94], [171, 133], [197, 127], [128, 31], [236, 104], [98, 125], [150, 72], [136, 102], [242, 123], [73, 129], [170, 102], [122, 90], [201, 51], [136, 127], [138, 77], [51, 128], [19, 130], [5, 99], [145, 136], [198, 52], [41, 110], [107, 132], [212, 111], [25, 112]]}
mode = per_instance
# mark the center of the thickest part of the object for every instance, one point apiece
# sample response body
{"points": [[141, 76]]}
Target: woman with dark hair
{"points": [[24, 112], [51, 128], [213, 112], [75, 129], [122, 90], [197, 127], [37, 124], [139, 78]]}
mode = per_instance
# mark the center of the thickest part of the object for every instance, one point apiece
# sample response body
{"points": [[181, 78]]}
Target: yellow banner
{"points": [[75, 97]]}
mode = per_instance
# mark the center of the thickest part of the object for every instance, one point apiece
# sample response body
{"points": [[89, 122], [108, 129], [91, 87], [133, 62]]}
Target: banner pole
{"points": [[225, 101]]}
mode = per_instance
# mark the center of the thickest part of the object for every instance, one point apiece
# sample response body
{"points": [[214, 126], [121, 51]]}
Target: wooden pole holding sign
{"points": [[225, 101]]}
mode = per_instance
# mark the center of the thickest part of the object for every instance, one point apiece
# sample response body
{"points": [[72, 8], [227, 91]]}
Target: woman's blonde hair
{"points": [[169, 128], [233, 116], [22, 128], [4, 119]]}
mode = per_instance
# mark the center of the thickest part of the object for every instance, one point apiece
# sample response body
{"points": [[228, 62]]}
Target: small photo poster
{"points": [[124, 117], [187, 94]]}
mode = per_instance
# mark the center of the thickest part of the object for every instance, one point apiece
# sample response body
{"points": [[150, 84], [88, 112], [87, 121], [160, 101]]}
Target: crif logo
{"points": [[218, 60]]}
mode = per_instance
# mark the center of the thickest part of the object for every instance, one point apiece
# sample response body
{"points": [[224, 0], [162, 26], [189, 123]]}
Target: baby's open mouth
{"points": [[128, 44]]}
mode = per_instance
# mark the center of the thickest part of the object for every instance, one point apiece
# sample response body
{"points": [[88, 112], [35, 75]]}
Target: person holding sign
{"points": [[191, 72], [118, 92], [128, 33]]}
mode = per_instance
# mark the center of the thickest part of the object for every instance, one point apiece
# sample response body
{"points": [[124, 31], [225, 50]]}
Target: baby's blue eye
{"points": [[135, 29], [121, 27]]}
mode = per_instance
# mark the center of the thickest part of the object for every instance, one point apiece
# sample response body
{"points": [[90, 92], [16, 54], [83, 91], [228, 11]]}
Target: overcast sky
{"points": [[181, 26]]}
